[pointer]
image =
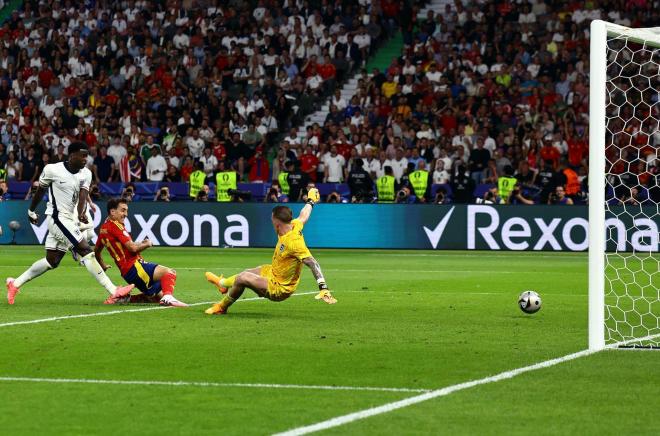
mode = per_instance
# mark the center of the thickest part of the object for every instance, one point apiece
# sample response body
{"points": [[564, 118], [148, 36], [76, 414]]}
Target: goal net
{"points": [[624, 200]]}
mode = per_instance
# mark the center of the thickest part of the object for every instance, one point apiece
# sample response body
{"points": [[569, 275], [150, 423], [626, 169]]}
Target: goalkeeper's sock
{"points": [[35, 270], [226, 302], [228, 282], [167, 283], [97, 272]]}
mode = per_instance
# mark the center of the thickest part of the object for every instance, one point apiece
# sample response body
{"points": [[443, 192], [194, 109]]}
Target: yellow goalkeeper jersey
{"points": [[287, 259]]}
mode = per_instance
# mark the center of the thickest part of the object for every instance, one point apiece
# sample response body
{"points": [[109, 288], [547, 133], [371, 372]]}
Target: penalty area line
{"points": [[118, 312], [389, 407], [208, 384]]}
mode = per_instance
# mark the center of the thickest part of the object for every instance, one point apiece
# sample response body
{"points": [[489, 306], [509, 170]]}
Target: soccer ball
{"points": [[529, 302]]}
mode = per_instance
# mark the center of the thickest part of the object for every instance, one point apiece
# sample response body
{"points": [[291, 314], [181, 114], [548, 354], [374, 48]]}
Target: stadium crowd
{"points": [[488, 99]]}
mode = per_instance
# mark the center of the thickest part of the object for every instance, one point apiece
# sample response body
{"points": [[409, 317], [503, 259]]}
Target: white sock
{"points": [[97, 272], [37, 268]]}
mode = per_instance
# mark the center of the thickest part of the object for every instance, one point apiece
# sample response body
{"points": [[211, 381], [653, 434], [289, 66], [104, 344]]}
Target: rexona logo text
{"points": [[175, 230], [486, 228]]}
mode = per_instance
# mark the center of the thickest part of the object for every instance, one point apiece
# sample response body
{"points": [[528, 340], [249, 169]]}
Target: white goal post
{"points": [[624, 267]]}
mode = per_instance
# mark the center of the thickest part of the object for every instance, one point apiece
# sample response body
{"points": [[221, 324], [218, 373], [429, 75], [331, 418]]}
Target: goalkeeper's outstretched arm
{"points": [[313, 197], [324, 293]]}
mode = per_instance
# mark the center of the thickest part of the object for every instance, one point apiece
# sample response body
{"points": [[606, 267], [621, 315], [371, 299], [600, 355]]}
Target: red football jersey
{"points": [[113, 236]]}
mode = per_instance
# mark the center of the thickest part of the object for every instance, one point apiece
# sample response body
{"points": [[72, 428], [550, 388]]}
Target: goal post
{"points": [[624, 282]]}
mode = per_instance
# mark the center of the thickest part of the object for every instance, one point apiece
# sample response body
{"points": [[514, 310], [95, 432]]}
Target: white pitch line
{"points": [[389, 407], [117, 312], [209, 384]]}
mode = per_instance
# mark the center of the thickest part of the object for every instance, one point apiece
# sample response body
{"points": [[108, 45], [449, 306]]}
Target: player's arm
{"points": [[324, 293], [137, 247], [44, 182], [84, 195], [82, 205], [313, 197]]}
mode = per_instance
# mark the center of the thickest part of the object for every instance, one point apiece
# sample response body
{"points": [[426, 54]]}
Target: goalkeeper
{"points": [[280, 279]]}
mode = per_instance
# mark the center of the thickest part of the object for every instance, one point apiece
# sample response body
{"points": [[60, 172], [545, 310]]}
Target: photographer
{"points": [[520, 196], [403, 196], [163, 194], [275, 195], [441, 196], [559, 197], [334, 197], [203, 194], [128, 193], [94, 192], [491, 196], [4, 191], [32, 191]]}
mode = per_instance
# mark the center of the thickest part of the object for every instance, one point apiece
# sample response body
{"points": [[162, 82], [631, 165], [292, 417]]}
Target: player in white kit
{"points": [[68, 188]]}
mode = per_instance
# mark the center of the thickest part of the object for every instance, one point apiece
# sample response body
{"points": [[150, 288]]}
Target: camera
{"points": [[333, 198], [240, 195], [202, 196], [402, 195]]}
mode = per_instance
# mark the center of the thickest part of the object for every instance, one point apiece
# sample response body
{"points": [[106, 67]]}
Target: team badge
{"points": [[281, 248]]}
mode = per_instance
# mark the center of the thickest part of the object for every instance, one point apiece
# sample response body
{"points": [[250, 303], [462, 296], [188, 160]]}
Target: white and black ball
{"points": [[529, 302]]}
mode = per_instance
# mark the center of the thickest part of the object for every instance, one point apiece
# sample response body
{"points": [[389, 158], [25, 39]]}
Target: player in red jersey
{"points": [[156, 282]]}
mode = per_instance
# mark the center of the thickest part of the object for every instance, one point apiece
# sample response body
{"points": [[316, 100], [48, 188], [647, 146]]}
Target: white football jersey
{"points": [[64, 189]]}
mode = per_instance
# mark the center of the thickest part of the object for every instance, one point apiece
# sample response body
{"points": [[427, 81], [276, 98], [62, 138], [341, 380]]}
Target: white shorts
{"points": [[62, 234]]}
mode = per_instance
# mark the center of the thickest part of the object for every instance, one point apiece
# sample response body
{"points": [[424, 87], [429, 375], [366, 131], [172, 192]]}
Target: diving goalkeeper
{"points": [[280, 279]]}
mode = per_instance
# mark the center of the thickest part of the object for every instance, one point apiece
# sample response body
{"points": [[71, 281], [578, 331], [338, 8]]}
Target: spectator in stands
{"points": [[104, 167], [259, 171], [210, 163], [440, 174], [30, 166], [479, 158], [309, 163], [334, 164], [156, 166]]}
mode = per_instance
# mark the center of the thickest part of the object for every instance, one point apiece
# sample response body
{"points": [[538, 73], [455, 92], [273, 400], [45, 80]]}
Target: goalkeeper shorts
{"points": [[275, 291]]}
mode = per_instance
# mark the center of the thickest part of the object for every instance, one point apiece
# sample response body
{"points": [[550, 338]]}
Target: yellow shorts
{"points": [[275, 291]]}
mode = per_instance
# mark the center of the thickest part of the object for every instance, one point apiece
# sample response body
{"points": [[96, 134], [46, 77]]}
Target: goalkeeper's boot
{"points": [[216, 309], [169, 300], [11, 290], [212, 278], [121, 292]]}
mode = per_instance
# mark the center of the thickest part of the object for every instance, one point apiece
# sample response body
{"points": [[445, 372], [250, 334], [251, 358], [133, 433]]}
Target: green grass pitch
{"points": [[410, 320]]}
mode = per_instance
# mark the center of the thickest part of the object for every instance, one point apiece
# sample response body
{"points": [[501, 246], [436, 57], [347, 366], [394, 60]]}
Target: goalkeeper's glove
{"points": [[313, 196], [326, 296], [324, 293]]}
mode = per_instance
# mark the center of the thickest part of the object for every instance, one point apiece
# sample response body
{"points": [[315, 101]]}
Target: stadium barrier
{"points": [[387, 226]]}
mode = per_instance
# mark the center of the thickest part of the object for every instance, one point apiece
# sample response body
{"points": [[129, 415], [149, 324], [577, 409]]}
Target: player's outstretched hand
{"points": [[326, 296], [313, 195], [33, 216], [106, 267], [83, 218]]}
